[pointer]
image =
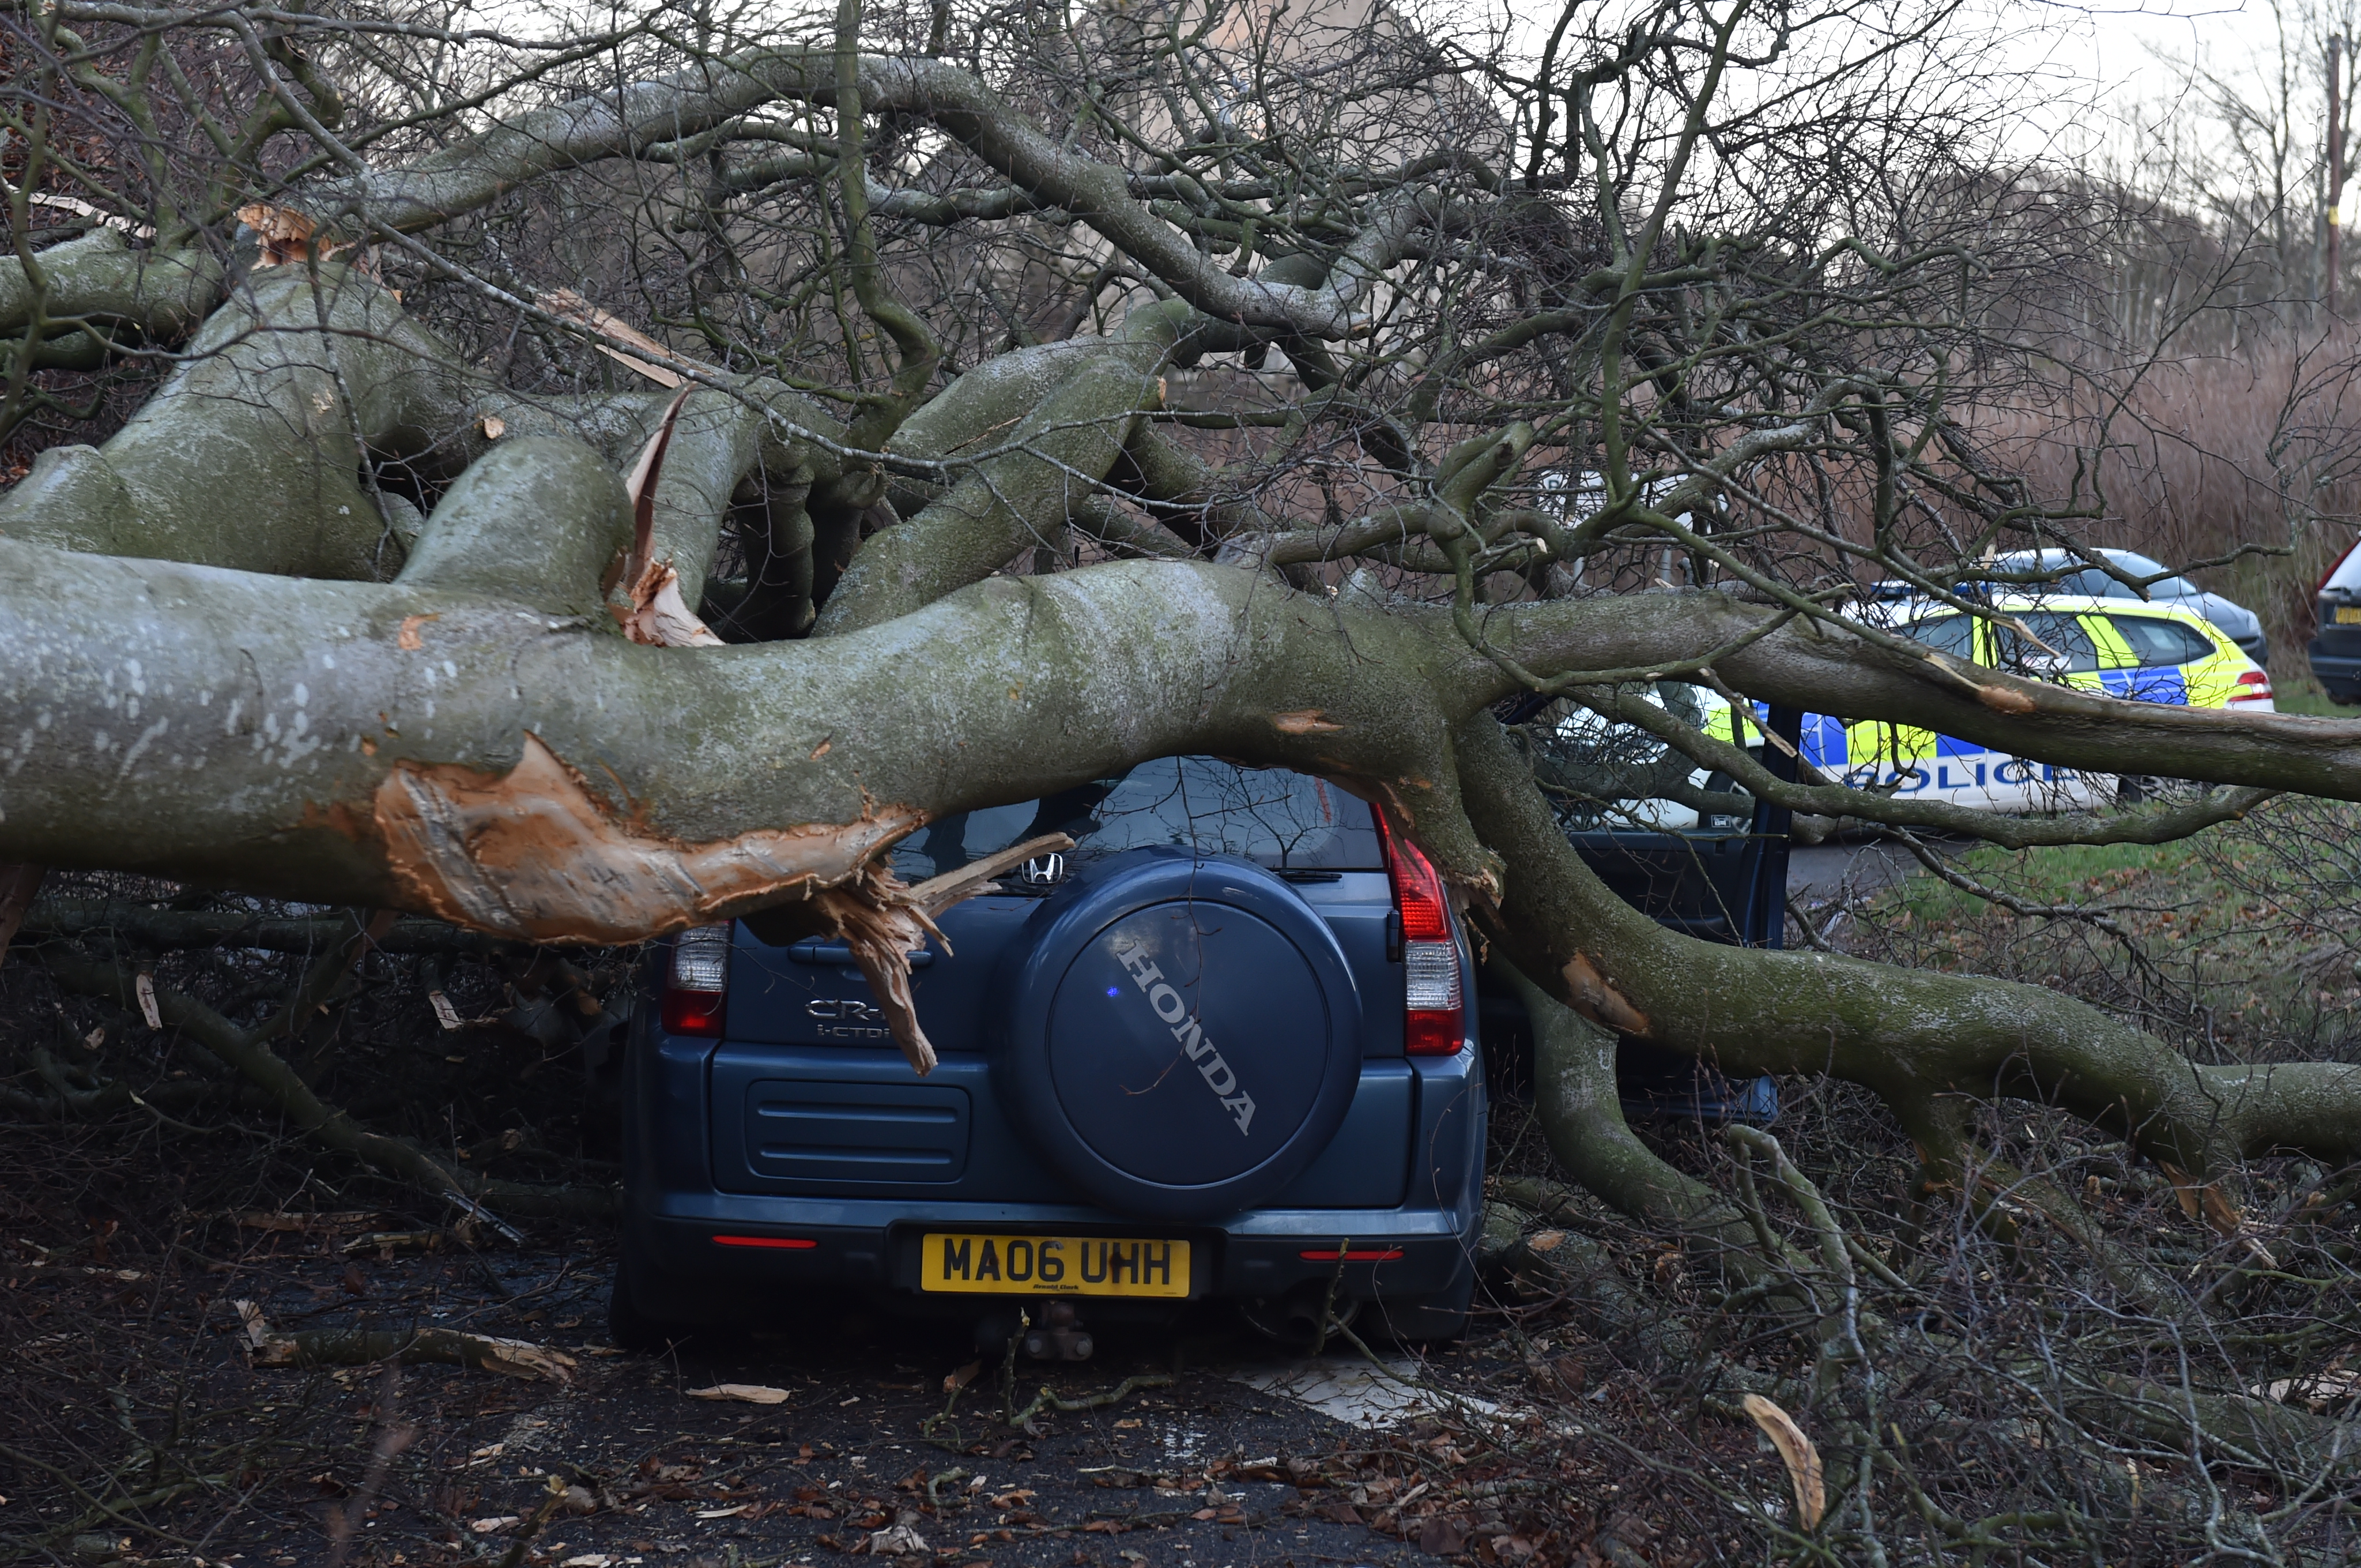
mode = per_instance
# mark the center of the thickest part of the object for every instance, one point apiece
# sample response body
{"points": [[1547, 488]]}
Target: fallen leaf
{"points": [[1440, 1536], [250, 1321], [746, 1393], [964, 1375], [1802, 1459], [499, 1522], [897, 1540], [724, 1513]]}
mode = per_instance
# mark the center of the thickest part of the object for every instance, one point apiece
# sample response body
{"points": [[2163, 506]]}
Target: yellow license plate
{"points": [[2347, 616], [1061, 1265]]}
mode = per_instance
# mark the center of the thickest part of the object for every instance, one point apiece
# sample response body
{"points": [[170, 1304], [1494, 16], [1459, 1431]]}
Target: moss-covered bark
{"points": [[1922, 1040]]}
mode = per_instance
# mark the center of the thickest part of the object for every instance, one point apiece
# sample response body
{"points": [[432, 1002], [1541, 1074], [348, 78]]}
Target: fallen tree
{"points": [[1017, 426]]}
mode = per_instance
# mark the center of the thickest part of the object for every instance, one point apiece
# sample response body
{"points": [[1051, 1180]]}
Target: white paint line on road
{"points": [[1357, 1392]]}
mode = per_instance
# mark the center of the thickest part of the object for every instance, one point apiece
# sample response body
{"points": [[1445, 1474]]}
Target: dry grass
{"points": [[2203, 455]]}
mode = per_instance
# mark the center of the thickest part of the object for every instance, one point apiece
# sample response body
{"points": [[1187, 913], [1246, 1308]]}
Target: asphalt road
{"points": [[1199, 1447], [1825, 874]]}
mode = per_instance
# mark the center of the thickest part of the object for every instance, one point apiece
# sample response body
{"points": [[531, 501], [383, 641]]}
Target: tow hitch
{"points": [[1060, 1335]]}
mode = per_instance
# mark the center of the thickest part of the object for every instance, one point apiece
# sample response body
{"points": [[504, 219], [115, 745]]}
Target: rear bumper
{"points": [[682, 1275], [2338, 669], [850, 1245]]}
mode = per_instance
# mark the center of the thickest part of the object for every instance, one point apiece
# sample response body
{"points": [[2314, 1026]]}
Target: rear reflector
{"points": [[2252, 687], [692, 1013], [1374, 1256], [696, 985], [791, 1243], [1433, 1001]]}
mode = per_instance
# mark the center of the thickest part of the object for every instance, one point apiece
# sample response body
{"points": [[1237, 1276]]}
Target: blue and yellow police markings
{"points": [[1905, 761]]}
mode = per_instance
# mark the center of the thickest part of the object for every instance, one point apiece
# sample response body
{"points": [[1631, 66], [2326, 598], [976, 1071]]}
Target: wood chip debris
{"points": [[386, 1244], [255, 1220], [111, 220], [1802, 1459], [2315, 1389], [745, 1393], [571, 306], [120, 1275], [359, 1347]]}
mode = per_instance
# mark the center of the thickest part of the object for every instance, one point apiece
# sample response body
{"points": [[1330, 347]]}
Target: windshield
{"points": [[1284, 820]]}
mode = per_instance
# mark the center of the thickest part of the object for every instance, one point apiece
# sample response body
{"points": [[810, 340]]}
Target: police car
{"points": [[2144, 652]]}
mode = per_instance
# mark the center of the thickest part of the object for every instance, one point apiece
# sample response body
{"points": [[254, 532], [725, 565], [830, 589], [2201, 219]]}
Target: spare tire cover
{"points": [[1185, 1035]]}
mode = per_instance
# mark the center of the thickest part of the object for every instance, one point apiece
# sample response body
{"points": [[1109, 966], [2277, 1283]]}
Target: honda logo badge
{"points": [[1044, 870]]}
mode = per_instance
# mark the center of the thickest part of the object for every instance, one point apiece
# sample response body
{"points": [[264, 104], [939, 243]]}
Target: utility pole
{"points": [[2336, 161]]}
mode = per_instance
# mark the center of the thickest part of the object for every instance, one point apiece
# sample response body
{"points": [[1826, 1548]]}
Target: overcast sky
{"points": [[2115, 50]]}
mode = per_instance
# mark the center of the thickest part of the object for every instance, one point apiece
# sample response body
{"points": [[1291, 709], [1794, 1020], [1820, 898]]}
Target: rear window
{"points": [[2155, 642], [1284, 820], [2347, 574]]}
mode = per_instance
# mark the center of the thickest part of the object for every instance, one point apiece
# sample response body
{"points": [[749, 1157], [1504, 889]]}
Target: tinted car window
{"points": [[2070, 649], [1274, 817], [2157, 642], [1952, 634]]}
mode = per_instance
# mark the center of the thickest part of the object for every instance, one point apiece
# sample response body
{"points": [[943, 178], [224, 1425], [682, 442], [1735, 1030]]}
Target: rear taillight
{"points": [[1432, 1015], [697, 985], [2252, 687], [2334, 567]]}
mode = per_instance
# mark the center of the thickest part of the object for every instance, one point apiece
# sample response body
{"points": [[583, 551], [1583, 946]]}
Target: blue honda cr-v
{"points": [[1222, 1048]]}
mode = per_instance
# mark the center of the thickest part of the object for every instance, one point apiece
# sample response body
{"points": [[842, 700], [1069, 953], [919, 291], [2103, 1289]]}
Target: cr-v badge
{"points": [[1043, 870]]}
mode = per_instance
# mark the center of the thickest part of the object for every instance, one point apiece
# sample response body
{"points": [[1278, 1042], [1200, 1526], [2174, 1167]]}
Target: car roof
{"points": [[2066, 604], [2144, 565]]}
